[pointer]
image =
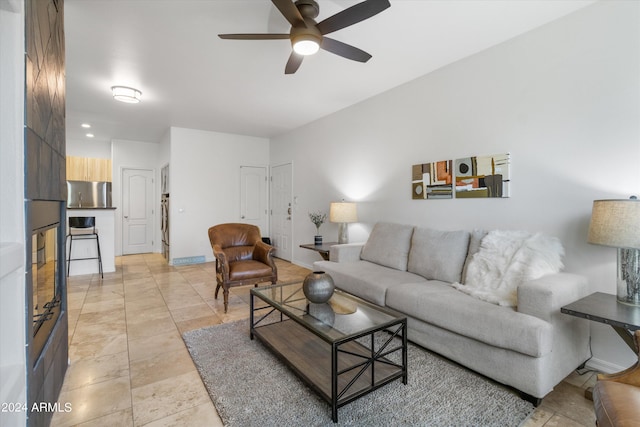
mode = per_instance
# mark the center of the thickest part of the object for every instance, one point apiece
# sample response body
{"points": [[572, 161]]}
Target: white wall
{"points": [[135, 155], [205, 184], [12, 237], [564, 100], [94, 149]]}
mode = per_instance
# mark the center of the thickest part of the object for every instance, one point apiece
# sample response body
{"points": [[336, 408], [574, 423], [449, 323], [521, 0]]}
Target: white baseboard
{"points": [[604, 366]]}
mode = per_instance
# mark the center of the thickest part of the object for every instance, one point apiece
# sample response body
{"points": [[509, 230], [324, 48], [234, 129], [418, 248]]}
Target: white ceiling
{"points": [[190, 78]]}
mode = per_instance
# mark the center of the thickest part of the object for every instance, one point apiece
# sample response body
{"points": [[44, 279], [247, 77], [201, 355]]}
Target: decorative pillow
{"points": [[505, 260], [438, 255], [388, 245]]}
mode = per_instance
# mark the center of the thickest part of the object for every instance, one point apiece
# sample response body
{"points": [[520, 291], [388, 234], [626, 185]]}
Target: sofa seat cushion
{"points": [[388, 245], [365, 279], [438, 303]]}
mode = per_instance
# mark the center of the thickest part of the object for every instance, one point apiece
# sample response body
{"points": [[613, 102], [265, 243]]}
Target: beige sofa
{"points": [[531, 346]]}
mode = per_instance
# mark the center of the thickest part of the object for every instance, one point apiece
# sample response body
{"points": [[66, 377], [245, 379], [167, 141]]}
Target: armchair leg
{"points": [[218, 285], [225, 292]]}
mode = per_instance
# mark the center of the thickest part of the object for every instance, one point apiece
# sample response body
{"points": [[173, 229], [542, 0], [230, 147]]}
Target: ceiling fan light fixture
{"points": [[126, 94], [306, 44]]}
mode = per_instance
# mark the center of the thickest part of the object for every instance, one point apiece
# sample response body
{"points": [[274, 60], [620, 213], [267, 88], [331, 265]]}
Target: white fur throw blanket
{"points": [[505, 260]]}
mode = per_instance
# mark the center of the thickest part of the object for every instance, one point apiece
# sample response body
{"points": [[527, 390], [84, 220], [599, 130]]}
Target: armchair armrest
{"points": [[347, 252], [544, 297], [222, 264], [264, 253]]}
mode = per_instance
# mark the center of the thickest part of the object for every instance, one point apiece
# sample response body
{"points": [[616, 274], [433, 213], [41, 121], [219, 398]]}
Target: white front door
{"points": [[253, 197], [137, 211], [281, 211]]}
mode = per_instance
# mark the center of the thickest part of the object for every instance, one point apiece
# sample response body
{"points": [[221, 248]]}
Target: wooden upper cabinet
{"points": [[88, 169]]}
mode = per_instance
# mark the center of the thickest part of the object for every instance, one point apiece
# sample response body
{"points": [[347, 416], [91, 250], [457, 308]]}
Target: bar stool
{"points": [[83, 228]]}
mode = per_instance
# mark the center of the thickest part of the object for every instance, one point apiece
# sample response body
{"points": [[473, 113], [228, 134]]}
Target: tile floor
{"points": [[130, 367]]}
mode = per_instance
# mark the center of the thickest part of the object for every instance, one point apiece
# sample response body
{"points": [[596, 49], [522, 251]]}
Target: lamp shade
{"points": [[615, 223], [343, 212]]}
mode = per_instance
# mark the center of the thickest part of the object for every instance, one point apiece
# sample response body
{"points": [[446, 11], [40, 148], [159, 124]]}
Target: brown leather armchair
{"points": [[242, 258], [616, 397]]}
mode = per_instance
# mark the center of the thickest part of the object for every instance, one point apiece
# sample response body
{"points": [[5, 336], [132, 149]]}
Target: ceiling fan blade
{"points": [[293, 63], [354, 14], [344, 50], [253, 36], [290, 12]]}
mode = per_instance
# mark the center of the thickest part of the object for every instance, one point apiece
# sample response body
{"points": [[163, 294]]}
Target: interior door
{"points": [[281, 211], [253, 197], [137, 211]]}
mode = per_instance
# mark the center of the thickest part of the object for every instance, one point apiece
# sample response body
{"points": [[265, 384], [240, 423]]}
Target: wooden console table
{"points": [[322, 249]]}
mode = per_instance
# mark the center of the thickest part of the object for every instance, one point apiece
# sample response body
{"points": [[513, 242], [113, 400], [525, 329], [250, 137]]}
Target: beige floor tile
{"points": [[99, 306], [201, 322], [95, 332], [140, 313], [111, 344], [569, 401], [94, 401], [201, 415], [141, 305], [83, 372], [150, 328], [164, 398], [147, 347], [559, 420], [191, 312], [538, 418], [120, 419], [161, 367]]}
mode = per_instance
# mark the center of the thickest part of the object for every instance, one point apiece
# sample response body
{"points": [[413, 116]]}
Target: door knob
{"points": [[289, 211], [242, 217], [125, 217]]}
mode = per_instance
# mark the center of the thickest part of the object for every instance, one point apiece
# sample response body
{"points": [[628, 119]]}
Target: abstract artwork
{"points": [[483, 176], [432, 180]]}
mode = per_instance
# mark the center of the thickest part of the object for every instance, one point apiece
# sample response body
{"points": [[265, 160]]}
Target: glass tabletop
{"points": [[342, 317]]}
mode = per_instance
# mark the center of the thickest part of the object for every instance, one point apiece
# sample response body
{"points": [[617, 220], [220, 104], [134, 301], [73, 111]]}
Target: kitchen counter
{"points": [[106, 226]]}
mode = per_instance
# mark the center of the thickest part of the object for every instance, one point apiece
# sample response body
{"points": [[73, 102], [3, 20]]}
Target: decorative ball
{"points": [[318, 287]]}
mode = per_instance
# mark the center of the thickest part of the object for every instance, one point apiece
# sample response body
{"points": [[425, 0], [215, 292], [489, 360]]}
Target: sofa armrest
{"points": [[544, 297], [347, 252]]}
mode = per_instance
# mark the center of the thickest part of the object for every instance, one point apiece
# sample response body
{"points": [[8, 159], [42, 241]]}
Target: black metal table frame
{"points": [[395, 328]]}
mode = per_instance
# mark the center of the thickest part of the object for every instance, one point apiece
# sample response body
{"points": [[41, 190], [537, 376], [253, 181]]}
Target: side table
{"points": [[624, 319], [605, 308], [322, 249]]}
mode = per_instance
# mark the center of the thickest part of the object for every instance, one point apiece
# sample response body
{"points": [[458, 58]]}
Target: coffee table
{"points": [[343, 349]]}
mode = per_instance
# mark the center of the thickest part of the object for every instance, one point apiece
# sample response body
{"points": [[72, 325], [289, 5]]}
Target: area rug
{"points": [[252, 387]]}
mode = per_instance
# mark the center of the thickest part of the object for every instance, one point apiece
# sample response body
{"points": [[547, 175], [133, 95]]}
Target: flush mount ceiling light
{"points": [[86, 125], [126, 94]]}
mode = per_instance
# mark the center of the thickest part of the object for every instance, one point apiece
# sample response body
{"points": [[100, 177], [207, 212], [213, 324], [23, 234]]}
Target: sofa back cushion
{"points": [[438, 255], [475, 239], [388, 245]]}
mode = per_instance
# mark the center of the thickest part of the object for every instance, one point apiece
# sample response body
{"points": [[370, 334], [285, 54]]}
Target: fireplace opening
{"points": [[45, 273]]}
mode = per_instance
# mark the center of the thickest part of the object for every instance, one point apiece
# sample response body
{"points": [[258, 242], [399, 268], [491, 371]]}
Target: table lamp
{"points": [[343, 213], [616, 223]]}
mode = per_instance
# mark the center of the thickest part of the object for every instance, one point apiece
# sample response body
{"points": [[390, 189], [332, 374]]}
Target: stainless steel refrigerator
{"points": [[164, 208]]}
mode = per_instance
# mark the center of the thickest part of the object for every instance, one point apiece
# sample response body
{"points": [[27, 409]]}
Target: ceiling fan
{"points": [[307, 36]]}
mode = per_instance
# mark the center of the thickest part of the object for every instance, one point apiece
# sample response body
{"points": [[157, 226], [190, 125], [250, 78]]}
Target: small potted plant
{"points": [[318, 218]]}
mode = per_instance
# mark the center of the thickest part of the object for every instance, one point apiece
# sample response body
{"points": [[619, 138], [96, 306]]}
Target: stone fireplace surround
{"points": [[45, 195]]}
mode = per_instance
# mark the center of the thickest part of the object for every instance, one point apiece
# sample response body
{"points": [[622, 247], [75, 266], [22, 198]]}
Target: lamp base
{"points": [[629, 276], [343, 233]]}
